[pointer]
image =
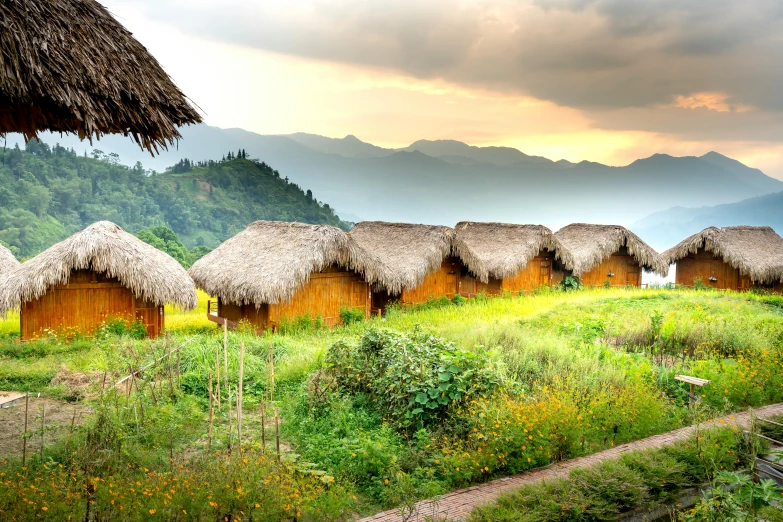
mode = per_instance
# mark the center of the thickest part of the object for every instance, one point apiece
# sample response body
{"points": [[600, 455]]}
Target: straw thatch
{"points": [[7, 260], [755, 251], [501, 250], [104, 248], [269, 261], [591, 244], [69, 66], [398, 256]]}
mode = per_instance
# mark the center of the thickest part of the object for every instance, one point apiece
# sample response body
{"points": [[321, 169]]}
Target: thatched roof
{"points": [[501, 250], [755, 251], [7, 260], [269, 261], [69, 66], [591, 244], [105, 248], [397, 256]]}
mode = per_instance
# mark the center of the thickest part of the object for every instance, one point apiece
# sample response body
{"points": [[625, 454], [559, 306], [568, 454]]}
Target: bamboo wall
{"points": [[443, 282], [323, 296], [83, 304], [542, 270], [625, 268], [704, 265]]}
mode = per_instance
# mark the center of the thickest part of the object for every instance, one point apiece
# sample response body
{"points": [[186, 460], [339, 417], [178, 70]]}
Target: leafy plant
{"points": [[351, 316], [414, 378], [733, 497], [570, 283]]}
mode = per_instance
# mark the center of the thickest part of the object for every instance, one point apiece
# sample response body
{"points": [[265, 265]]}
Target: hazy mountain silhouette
{"points": [[444, 181], [667, 228]]}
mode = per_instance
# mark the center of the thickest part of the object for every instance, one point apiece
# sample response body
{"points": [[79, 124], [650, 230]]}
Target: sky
{"points": [[599, 80]]}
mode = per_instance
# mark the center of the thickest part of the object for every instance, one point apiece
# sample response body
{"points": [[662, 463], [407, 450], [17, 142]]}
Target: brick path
{"points": [[457, 504]]}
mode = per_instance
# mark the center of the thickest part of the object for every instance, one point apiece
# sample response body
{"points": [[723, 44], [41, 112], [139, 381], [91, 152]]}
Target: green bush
{"points": [[416, 378], [351, 316]]}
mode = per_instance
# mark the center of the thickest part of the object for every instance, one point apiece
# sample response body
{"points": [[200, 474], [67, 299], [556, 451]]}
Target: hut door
{"points": [[744, 282], [150, 315], [633, 275], [360, 295], [545, 273]]}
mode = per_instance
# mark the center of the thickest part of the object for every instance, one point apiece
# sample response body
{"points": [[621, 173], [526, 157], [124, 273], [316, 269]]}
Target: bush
{"points": [[351, 316], [415, 379]]}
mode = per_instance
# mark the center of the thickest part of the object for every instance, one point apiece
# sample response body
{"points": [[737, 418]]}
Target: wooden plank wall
{"points": [[440, 283], [542, 270], [703, 265], [322, 296], [83, 304], [625, 268]]}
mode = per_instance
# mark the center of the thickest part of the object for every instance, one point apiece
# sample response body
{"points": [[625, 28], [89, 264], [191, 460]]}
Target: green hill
{"points": [[48, 193]]}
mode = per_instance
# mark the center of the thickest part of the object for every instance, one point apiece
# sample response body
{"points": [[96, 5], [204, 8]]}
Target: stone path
{"points": [[457, 504]]}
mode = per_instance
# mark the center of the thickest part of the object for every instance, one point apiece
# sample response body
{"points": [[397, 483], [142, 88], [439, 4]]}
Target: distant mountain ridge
{"points": [[666, 228], [446, 181]]}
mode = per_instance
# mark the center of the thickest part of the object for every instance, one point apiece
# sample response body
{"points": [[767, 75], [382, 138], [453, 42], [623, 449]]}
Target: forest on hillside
{"points": [[49, 192]]}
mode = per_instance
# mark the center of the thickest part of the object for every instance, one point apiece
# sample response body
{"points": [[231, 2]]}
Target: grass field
{"points": [[382, 412]]}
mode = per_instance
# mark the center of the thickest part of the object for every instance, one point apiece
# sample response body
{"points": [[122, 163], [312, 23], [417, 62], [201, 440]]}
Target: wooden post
{"points": [[217, 374], [225, 358], [277, 436], [263, 425], [179, 369], [43, 429], [24, 439], [230, 421], [211, 413], [239, 393]]}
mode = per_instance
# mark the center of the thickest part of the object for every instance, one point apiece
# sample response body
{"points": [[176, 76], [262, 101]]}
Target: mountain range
{"points": [[445, 181]]}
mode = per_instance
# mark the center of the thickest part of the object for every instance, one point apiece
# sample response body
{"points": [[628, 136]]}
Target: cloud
{"points": [[580, 53]]}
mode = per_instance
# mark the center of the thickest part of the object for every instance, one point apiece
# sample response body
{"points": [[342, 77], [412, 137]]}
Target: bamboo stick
{"points": [[171, 369], [225, 359], [43, 429], [217, 374], [24, 439], [211, 413], [239, 393], [277, 435]]}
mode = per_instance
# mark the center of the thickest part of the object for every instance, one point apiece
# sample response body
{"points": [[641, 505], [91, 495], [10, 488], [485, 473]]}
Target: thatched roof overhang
{"points": [[501, 250], [69, 66], [591, 244]]}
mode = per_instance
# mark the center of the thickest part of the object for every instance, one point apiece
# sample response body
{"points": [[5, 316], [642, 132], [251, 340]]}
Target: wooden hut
{"points": [[730, 258], [69, 66], [501, 257], [406, 262], [98, 274], [274, 272], [610, 253]]}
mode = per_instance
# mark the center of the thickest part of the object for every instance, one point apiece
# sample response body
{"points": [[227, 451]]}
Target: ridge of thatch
{"points": [[590, 244], [755, 251], [7, 260], [105, 248], [69, 66], [398, 256], [269, 261], [501, 250]]}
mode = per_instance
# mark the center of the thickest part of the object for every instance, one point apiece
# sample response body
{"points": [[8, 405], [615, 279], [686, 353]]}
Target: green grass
{"points": [[580, 371]]}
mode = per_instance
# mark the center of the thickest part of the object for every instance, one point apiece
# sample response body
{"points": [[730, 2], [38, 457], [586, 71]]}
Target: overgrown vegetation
{"points": [[390, 410], [48, 193]]}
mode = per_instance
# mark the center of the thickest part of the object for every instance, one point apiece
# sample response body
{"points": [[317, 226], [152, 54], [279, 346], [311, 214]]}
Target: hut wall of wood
{"points": [[542, 270], [323, 296], [86, 301], [705, 266], [444, 282], [626, 270]]}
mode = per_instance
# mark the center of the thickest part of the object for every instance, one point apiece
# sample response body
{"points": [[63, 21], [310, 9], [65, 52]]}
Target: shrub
{"points": [[351, 316], [415, 379], [571, 283]]}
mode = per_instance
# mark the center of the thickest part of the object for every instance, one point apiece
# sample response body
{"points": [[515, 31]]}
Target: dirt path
{"points": [[58, 414], [458, 504]]}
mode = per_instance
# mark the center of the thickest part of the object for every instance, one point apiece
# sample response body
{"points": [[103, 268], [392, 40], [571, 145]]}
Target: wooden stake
{"points": [[263, 424], [277, 436], [24, 439], [239, 393], [225, 359], [217, 374], [211, 413], [230, 421], [43, 429], [179, 372]]}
